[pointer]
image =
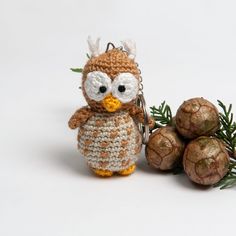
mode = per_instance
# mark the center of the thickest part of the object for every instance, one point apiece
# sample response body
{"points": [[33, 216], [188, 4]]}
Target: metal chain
{"points": [[141, 80], [108, 45], [143, 128]]}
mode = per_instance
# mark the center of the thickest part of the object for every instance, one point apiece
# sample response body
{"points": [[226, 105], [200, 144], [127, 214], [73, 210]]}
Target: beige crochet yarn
{"points": [[110, 141]]}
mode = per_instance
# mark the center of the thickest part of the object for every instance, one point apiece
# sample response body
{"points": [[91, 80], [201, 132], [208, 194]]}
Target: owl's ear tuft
{"points": [[94, 46], [130, 47]]}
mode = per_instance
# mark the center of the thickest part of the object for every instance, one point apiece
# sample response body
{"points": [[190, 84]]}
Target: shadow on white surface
{"points": [[70, 160], [180, 179], [183, 180]]}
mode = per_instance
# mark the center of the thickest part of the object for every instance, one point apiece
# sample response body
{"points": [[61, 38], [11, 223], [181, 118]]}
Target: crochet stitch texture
{"points": [[110, 141], [108, 135]]}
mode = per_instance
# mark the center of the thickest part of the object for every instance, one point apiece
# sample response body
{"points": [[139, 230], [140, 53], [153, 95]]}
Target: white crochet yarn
{"points": [[131, 87], [130, 47], [128, 44], [94, 47], [94, 81]]}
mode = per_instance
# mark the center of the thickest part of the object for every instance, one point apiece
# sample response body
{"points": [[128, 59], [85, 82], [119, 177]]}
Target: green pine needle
{"points": [[88, 56], [162, 115], [78, 70], [227, 133]]}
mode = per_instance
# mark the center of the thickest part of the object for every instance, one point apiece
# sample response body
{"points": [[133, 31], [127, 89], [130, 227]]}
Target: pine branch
{"points": [[227, 133], [229, 179], [162, 115], [78, 70]]}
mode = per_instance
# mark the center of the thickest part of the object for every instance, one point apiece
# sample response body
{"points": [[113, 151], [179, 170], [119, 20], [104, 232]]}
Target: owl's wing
{"points": [[138, 115], [80, 117]]}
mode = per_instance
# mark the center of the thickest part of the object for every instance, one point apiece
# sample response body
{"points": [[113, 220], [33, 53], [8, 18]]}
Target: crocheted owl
{"points": [[108, 135]]}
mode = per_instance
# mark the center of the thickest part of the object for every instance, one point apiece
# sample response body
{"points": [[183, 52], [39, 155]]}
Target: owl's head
{"points": [[111, 80]]}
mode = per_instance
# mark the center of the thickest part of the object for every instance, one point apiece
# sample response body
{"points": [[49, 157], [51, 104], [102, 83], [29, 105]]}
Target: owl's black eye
{"points": [[121, 88], [102, 89]]}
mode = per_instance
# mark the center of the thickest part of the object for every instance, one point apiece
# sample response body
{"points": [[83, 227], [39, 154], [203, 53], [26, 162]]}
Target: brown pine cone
{"points": [[197, 117], [164, 149], [206, 160]]}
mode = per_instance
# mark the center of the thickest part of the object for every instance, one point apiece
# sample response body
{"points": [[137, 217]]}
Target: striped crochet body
{"points": [[110, 141]]}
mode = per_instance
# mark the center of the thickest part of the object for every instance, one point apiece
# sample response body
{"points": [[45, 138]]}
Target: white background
{"points": [[185, 48]]}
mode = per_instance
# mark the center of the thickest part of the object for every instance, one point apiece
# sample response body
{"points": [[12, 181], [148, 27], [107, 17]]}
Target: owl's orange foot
{"points": [[127, 171], [103, 173]]}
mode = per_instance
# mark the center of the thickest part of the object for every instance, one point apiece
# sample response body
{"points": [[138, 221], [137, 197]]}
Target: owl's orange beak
{"points": [[110, 103]]}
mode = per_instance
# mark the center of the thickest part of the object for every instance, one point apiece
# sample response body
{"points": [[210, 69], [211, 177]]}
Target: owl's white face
{"points": [[97, 85], [124, 87]]}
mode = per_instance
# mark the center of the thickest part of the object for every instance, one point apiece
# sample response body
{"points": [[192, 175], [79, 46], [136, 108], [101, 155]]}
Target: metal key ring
{"points": [[145, 133]]}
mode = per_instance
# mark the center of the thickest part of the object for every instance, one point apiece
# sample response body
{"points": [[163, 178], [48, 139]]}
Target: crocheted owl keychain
{"points": [[108, 135]]}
